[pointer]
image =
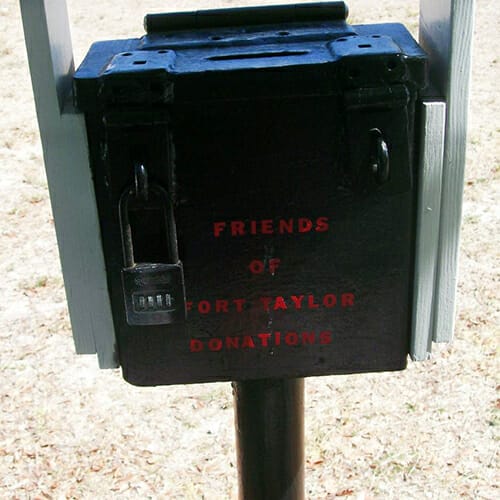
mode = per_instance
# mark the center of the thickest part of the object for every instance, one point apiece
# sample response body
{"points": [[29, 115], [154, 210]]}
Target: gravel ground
{"points": [[68, 430]]}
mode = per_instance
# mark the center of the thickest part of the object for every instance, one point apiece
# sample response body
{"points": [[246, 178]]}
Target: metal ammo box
{"points": [[255, 175]]}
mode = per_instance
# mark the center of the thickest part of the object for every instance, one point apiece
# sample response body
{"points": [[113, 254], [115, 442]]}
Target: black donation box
{"points": [[255, 174]]}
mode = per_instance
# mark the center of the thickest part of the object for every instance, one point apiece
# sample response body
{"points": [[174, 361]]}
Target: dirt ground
{"points": [[69, 430]]}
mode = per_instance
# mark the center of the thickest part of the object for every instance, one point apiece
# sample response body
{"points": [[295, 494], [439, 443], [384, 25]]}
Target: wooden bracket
{"points": [[446, 29], [65, 151]]}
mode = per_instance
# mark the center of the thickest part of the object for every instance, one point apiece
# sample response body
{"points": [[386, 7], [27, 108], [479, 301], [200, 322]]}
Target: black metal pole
{"points": [[269, 419]]}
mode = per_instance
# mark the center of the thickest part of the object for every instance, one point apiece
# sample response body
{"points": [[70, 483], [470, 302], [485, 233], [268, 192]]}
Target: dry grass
{"points": [[68, 430]]}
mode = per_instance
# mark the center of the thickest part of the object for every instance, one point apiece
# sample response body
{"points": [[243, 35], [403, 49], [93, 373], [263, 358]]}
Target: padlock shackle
{"points": [[155, 193]]}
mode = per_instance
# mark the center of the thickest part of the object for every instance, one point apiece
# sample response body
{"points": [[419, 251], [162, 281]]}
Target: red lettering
{"points": [[195, 345], [248, 342], [286, 226], [239, 303], [271, 226], [297, 301], [218, 228], [232, 342], [264, 338], [218, 306], [237, 228], [280, 304], [256, 267], [308, 337], [266, 226], [204, 307], [266, 302], [321, 224], [304, 225], [215, 344], [310, 302], [221, 306], [291, 338], [273, 265], [347, 300], [325, 338], [329, 300]]}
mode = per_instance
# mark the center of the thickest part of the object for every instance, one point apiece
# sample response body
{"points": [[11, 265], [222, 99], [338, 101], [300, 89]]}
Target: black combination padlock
{"points": [[153, 280]]}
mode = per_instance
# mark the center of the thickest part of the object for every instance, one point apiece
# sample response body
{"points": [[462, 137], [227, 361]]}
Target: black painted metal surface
{"points": [[287, 151], [320, 11], [269, 418]]}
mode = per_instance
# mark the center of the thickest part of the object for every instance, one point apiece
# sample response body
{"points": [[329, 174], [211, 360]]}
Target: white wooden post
{"points": [[65, 150], [428, 219], [446, 28]]}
